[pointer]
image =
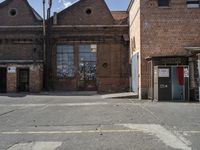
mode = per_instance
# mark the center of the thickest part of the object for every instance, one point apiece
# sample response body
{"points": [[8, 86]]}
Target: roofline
{"points": [[130, 5], [6, 2], [118, 11], [149, 58], [74, 5], [32, 11]]}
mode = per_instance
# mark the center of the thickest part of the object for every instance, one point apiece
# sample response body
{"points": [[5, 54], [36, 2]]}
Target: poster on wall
{"points": [[11, 69], [163, 73]]}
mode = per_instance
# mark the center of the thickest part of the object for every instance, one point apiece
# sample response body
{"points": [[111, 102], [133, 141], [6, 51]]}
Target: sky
{"points": [[59, 5]]}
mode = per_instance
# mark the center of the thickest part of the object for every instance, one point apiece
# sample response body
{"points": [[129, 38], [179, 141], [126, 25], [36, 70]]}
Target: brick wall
{"points": [[113, 78], [165, 31], [76, 14], [11, 82], [35, 78], [24, 13]]}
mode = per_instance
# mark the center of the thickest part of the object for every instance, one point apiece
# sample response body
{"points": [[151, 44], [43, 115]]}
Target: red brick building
{"points": [[164, 37], [87, 48], [21, 55], [95, 43]]}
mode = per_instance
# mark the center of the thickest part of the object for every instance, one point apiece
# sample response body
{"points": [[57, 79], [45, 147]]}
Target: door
{"points": [[180, 83], [3, 80], [135, 72], [87, 67], [23, 80], [164, 84]]}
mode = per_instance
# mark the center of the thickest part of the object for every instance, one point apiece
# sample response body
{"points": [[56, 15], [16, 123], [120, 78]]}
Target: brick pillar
{"points": [[35, 79], [11, 82]]}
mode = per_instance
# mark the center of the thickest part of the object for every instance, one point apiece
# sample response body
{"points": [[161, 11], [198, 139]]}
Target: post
{"points": [[44, 46], [48, 49]]}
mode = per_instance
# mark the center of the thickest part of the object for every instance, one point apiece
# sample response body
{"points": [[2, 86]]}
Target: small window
{"points": [[65, 61], [88, 11], [193, 3], [163, 3], [12, 12]]}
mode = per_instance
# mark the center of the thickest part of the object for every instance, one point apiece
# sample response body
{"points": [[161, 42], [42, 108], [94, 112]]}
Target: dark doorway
{"points": [[3, 80], [23, 80], [87, 67]]}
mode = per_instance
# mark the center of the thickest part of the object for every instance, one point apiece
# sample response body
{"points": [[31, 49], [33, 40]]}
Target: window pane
{"points": [[193, 3], [163, 2], [65, 61], [87, 64]]}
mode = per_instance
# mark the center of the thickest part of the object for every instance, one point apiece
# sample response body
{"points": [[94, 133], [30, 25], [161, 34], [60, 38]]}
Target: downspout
{"points": [[48, 52], [44, 46]]}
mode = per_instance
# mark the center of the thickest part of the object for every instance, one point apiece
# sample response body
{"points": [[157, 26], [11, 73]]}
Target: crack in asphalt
{"points": [[6, 113]]}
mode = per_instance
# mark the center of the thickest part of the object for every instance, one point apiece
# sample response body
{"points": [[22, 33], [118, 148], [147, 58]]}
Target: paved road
{"points": [[50, 122]]}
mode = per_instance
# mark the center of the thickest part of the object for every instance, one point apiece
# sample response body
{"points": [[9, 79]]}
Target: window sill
{"points": [[193, 7], [164, 7]]}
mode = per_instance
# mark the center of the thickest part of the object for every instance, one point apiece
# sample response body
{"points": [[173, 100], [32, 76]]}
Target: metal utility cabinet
{"points": [[171, 83]]}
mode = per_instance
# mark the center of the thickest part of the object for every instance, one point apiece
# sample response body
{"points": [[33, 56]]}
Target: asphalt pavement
{"points": [[81, 121]]}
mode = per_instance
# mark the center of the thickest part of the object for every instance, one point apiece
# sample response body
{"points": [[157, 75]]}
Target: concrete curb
{"points": [[120, 95]]}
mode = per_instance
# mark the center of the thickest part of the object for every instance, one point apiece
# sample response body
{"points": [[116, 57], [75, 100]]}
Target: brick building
{"points": [[96, 45], [87, 48], [164, 42], [21, 64]]}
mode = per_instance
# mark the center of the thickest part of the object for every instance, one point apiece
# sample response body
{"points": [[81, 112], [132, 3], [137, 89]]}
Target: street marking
{"points": [[163, 134], [43, 105], [36, 146], [71, 132], [176, 141], [65, 104]]}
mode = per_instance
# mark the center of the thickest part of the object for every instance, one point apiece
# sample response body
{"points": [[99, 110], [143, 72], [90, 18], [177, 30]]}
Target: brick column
{"points": [[35, 79], [11, 82]]}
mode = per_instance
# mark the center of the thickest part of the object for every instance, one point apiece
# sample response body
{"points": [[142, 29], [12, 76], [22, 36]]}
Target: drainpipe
{"points": [[44, 45], [47, 52]]}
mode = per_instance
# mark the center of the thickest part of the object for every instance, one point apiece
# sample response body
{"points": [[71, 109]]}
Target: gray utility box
{"points": [[171, 83]]}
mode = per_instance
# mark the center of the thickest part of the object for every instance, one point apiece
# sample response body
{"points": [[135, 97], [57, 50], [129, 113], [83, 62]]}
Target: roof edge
{"points": [[130, 5]]}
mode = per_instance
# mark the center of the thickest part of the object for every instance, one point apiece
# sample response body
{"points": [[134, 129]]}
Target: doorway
{"points": [[87, 67], [180, 80], [3, 80], [23, 80]]}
